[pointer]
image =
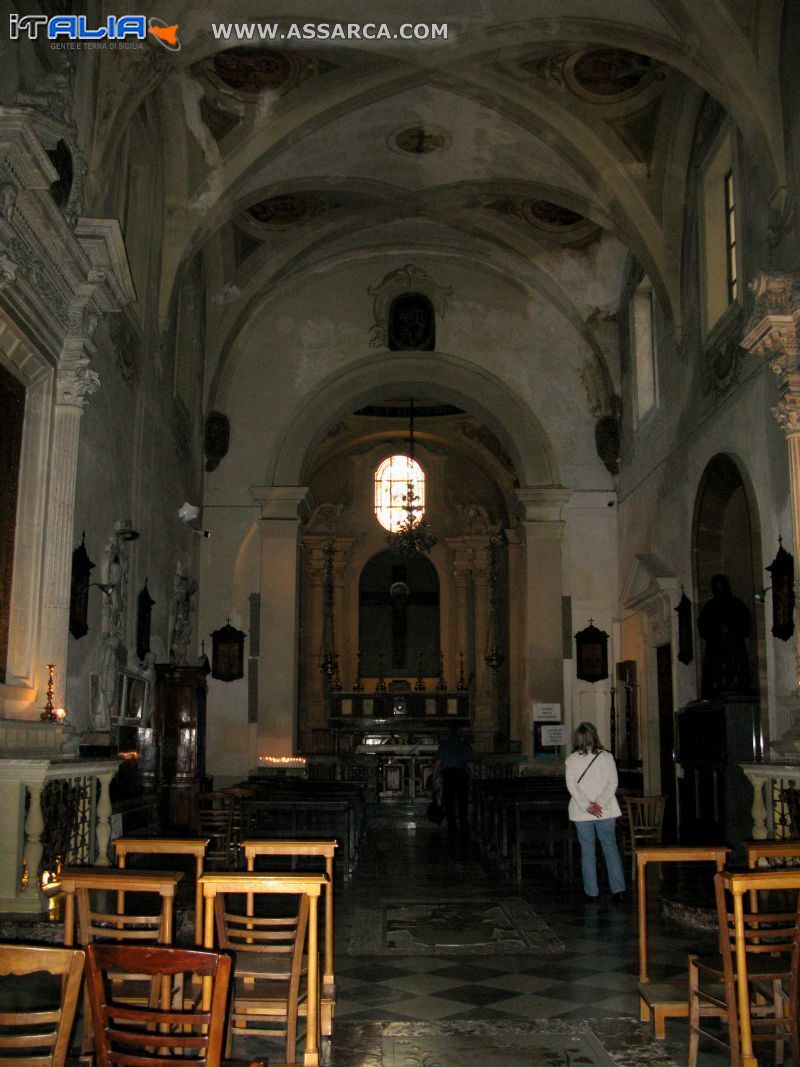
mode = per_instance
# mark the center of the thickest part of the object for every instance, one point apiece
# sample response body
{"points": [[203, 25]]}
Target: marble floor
{"points": [[441, 962]]}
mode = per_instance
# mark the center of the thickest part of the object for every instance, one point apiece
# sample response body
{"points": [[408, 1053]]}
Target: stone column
{"points": [[314, 712], [278, 664], [103, 825], [773, 333], [486, 718], [541, 520], [34, 824], [460, 634], [341, 637], [75, 382], [518, 711]]}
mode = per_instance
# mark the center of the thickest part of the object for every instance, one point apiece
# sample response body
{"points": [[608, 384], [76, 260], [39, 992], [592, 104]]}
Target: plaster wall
{"points": [[323, 325]]}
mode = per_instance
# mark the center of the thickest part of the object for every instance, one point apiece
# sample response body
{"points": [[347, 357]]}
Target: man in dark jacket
{"points": [[455, 759]]}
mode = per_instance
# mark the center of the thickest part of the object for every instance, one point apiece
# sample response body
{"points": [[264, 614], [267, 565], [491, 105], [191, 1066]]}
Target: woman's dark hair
{"points": [[586, 739]]}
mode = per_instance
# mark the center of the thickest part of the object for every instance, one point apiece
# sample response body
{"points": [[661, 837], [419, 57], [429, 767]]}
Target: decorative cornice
{"points": [[59, 279], [282, 501], [542, 503]]}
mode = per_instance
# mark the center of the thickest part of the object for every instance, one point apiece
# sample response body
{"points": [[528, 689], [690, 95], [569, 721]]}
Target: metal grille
{"points": [[68, 806], [785, 809]]}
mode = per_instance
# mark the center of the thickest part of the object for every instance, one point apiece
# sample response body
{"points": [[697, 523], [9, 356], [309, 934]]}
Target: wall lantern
{"points": [[82, 568], [227, 653], [592, 653], [782, 571]]}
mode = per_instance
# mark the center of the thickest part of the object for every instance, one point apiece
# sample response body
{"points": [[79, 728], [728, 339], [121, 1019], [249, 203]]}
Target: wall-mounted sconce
{"points": [[188, 513], [760, 595], [105, 587]]}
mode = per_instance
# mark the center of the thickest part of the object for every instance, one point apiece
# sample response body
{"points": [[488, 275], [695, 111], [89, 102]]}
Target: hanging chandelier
{"points": [[413, 536]]}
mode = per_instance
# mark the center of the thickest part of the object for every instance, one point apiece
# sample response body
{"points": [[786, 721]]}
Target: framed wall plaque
{"points": [[227, 653], [591, 660]]}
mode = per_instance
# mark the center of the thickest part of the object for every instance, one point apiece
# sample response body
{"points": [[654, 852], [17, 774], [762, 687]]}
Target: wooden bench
{"points": [[737, 884], [308, 885], [296, 818], [664, 1000], [324, 850], [168, 846]]}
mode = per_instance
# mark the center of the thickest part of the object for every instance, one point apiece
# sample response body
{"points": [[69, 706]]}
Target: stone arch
{"points": [[444, 378]]}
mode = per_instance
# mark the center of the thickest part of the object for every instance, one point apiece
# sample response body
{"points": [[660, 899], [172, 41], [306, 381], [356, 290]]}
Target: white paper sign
{"points": [[546, 712], [554, 735]]}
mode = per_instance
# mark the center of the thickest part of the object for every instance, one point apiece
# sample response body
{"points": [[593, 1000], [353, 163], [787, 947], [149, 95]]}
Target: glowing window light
{"points": [[392, 479]]}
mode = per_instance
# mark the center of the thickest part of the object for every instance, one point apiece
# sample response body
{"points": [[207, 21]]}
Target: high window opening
{"points": [[644, 349], [392, 480], [720, 235]]}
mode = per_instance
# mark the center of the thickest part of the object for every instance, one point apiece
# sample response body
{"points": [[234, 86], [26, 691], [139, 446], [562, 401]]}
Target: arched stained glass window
{"points": [[392, 479]]}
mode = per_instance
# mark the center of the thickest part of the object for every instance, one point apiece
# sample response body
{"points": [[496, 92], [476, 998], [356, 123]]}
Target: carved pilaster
{"points": [[773, 333]]}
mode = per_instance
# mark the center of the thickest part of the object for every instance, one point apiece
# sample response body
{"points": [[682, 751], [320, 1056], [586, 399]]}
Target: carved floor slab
{"points": [[451, 927], [534, 1043]]}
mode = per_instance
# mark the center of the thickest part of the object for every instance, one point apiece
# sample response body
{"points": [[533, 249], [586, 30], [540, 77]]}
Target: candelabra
{"points": [[50, 713]]}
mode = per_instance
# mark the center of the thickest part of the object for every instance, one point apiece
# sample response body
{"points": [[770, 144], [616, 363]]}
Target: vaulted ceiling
{"points": [[536, 127]]}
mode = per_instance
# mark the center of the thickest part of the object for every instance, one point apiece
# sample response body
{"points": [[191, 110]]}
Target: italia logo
{"points": [[77, 28]]}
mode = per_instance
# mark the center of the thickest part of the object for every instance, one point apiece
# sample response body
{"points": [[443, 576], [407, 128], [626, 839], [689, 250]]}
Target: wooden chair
{"points": [[89, 890], [40, 1037], [215, 822], [753, 983], [664, 1000], [268, 971], [167, 846], [141, 1035], [644, 820], [96, 920], [325, 850]]}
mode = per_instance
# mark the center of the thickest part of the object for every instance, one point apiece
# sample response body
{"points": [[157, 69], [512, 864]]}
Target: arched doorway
{"points": [[727, 541]]}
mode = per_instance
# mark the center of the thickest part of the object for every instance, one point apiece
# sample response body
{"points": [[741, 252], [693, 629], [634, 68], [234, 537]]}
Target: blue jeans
{"points": [[605, 831]]}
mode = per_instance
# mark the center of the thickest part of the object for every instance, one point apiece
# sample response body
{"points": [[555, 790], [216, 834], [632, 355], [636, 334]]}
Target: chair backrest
{"points": [[771, 950], [769, 932], [215, 821], [645, 817], [283, 937], [97, 922], [140, 1035], [31, 1038]]}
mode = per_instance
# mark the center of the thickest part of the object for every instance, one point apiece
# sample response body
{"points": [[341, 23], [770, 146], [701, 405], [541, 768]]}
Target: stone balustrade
{"points": [[770, 811], [23, 780]]}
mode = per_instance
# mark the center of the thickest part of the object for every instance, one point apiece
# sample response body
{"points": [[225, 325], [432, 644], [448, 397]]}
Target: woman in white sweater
{"points": [[593, 807]]}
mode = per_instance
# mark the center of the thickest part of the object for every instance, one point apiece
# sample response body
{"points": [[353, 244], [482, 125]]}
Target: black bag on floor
{"points": [[435, 812]]}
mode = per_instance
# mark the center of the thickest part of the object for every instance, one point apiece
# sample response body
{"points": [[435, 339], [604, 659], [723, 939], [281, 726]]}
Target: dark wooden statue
{"points": [[724, 625]]}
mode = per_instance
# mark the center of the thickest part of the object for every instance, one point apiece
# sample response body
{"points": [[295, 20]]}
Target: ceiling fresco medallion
{"points": [[599, 75], [287, 210], [419, 140], [548, 218], [249, 72]]}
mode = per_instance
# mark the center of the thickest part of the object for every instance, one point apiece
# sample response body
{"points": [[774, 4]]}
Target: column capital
{"points": [[282, 501], [542, 503], [773, 333], [787, 413], [76, 382]]}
